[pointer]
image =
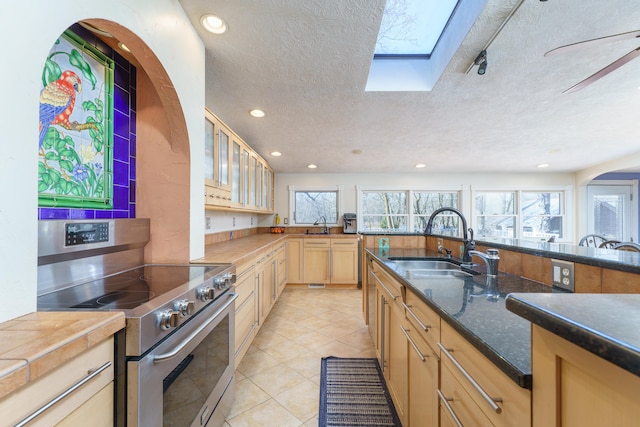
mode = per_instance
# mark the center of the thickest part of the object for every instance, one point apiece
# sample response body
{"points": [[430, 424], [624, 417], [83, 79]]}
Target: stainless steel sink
{"points": [[427, 274], [426, 264]]}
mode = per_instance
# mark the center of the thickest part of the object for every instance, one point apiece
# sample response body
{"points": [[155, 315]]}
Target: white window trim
{"points": [[567, 222], [633, 183], [292, 191], [460, 189]]}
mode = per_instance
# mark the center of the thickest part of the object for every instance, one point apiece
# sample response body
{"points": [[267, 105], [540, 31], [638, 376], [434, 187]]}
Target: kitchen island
{"points": [[501, 336], [585, 357]]}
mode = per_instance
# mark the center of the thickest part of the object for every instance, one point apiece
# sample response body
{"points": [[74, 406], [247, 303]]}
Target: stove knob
{"points": [[184, 307], [168, 319], [206, 293], [229, 279], [219, 282]]}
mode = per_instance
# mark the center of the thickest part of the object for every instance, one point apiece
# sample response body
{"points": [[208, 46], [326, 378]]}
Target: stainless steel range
{"points": [[179, 317]]}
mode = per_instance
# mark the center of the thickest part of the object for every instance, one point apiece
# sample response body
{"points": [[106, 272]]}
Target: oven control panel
{"points": [[86, 232]]}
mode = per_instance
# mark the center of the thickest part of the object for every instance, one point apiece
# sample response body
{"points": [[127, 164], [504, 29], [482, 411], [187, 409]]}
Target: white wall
{"points": [[217, 221], [28, 30]]}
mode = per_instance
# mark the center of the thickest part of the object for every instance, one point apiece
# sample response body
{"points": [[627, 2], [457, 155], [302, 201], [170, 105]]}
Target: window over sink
{"points": [[315, 205]]}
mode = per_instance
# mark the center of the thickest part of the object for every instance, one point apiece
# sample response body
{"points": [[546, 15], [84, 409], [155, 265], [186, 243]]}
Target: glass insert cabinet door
{"points": [[222, 159], [209, 149], [235, 173], [217, 145]]}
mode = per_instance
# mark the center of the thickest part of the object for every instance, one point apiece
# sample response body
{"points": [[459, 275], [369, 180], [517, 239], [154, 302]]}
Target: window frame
{"points": [[293, 189], [411, 217], [566, 204]]}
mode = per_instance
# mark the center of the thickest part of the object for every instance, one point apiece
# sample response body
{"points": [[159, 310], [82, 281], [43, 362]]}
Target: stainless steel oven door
{"points": [[189, 375]]}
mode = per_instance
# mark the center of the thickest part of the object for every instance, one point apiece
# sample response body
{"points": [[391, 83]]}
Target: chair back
{"points": [[627, 246], [609, 244], [592, 240]]}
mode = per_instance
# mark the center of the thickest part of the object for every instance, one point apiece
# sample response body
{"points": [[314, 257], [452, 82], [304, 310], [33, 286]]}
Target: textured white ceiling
{"points": [[306, 64]]}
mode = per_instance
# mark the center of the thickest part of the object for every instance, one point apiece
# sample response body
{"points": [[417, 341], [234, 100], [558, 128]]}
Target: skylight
{"points": [[416, 41], [412, 27]]}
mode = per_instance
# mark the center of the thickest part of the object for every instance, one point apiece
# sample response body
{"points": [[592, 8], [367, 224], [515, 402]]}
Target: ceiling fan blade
{"points": [[594, 42], [606, 70]]}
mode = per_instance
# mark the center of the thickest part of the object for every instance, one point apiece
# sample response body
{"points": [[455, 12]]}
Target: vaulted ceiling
{"points": [[305, 63]]}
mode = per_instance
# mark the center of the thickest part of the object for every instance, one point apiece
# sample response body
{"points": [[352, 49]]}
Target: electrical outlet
{"points": [[207, 222], [440, 242], [234, 221], [563, 276], [286, 221]]}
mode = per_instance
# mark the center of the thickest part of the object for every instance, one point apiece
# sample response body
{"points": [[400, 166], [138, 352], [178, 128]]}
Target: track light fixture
{"points": [[481, 62]]}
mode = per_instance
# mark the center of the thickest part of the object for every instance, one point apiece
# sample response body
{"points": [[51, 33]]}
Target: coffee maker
{"points": [[349, 223]]}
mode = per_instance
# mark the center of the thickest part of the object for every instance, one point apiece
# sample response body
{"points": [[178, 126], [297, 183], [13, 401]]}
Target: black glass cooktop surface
{"points": [[128, 289]]}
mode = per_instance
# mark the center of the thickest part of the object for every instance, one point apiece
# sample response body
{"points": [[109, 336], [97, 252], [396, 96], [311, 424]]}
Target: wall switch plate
{"points": [[286, 221], [563, 274]]}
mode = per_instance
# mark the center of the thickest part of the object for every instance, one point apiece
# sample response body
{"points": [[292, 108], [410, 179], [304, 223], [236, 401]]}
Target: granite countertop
{"points": [[463, 302], [603, 324], [606, 258], [35, 344]]}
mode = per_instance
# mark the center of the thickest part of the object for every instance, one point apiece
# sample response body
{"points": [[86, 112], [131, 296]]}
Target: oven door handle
{"points": [[173, 353]]}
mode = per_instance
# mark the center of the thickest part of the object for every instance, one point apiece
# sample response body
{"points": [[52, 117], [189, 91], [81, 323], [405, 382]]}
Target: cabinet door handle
{"points": [[91, 375], [422, 325], [383, 321], [445, 402], [422, 357], [393, 297], [491, 401]]}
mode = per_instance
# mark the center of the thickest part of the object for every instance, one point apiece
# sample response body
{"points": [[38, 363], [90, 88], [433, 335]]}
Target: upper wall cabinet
{"points": [[236, 177]]}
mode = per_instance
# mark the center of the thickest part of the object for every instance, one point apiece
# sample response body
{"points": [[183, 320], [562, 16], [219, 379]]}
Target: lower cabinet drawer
{"points": [[36, 394], [504, 402], [245, 324], [456, 403], [100, 403]]}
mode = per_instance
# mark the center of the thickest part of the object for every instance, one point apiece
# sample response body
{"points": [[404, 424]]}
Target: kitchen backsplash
{"points": [[124, 140]]}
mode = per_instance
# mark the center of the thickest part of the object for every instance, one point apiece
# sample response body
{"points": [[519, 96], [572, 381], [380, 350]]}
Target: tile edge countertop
{"points": [[48, 340], [603, 324], [500, 335]]}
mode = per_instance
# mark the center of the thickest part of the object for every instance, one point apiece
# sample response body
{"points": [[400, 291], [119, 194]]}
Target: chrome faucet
{"points": [[324, 224], [444, 251], [491, 259], [469, 243]]}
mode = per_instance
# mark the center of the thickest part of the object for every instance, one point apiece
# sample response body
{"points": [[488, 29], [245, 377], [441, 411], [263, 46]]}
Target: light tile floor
{"points": [[278, 380]]}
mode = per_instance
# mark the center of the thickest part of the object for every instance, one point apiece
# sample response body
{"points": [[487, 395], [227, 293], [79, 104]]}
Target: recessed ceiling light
{"points": [[256, 113], [421, 165], [543, 165], [123, 47], [276, 153], [312, 166], [214, 24]]}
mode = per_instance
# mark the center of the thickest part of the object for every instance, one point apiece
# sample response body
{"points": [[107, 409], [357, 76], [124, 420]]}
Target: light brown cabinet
{"points": [[434, 375], [246, 322], [475, 390], [316, 260], [94, 397], [328, 261], [344, 261], [573, 387], [236, 177], [295, 259], [422, 331]]}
